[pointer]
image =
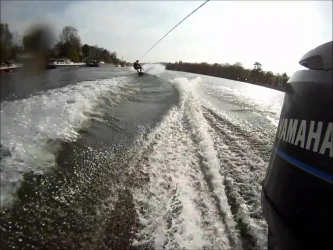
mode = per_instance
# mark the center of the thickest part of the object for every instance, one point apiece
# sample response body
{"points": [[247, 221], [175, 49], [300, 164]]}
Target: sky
{"points": [[275, 33]]}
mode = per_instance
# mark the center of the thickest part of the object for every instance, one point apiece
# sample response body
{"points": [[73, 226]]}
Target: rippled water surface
{"points": [[99, 158]]}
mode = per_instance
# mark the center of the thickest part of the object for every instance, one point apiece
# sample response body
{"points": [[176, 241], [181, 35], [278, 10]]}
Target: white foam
{"points": [[161, 204], [28, 124], [154, 69], [211, 163], [186, 149], [242, 165], [176, 208], [245, 171], [169, 207]]}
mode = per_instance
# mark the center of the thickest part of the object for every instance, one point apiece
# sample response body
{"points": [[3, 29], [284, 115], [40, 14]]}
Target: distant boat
{"points": [[9, 67], [93, 63], [60, 63]]}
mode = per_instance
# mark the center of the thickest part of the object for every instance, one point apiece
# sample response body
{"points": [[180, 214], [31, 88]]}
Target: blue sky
{"points": [[274, 33]]}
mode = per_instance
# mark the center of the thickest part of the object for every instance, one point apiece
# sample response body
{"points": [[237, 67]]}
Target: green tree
{"points": [[257, 66], [73, 55], [216, 68], [6, 37], [71, 36], [106, 56], [5, 52], [100, 54], [238, 68], [16, 47], [238, 65], [256, 72], [284, 79], [85, 50], [267, 77], [15, 50], [68, 39], [5, 42], [235, 71], [94, 52], [114, 58], [245, 74]]}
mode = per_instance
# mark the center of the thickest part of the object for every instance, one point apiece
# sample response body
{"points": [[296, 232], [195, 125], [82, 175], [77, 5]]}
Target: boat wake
{"points": [[201, 185], [32, 128], [167, 161]]}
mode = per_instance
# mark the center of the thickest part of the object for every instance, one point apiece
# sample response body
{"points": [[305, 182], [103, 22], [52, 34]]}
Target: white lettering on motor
{"points": [[292, 129], [328, 141], [301, 134], [284, 130], [280, 127], [314, 135], [312, 139]]}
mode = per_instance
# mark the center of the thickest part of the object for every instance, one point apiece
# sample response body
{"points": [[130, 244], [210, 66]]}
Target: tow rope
{"points": [[175, 27]]}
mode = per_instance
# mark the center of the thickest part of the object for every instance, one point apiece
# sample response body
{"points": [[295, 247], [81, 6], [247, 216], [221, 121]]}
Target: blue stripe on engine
{"points": [[304, 166]]}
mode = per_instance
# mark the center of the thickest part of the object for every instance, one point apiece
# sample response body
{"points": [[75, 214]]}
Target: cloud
{"points": [[274, 33]]}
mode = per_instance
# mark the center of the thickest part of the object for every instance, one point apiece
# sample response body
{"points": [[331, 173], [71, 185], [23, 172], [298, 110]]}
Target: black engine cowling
{"points": [[297, 195]]}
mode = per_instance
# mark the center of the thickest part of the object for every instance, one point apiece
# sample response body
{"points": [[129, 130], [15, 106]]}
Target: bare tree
{"points": [[68, 39], [70, 36]]}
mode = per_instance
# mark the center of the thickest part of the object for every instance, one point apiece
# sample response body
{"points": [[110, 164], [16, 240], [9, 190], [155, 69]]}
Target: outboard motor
{"points": [[297, 194]]}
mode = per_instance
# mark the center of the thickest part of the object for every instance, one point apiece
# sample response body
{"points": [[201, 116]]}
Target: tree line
{"points": [[233, 71], [9, 44], [68, 45], [40, 41]]}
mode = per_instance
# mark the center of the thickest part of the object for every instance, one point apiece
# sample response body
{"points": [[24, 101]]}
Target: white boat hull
{"points": [[61, 63]]}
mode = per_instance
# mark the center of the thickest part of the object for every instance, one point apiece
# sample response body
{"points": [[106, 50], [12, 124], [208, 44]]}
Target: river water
{"points": [[99, 158]]}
